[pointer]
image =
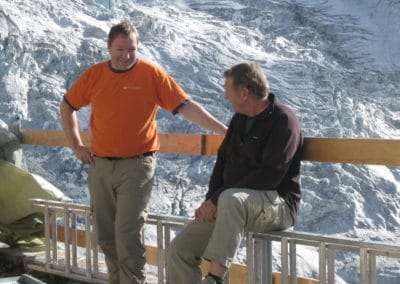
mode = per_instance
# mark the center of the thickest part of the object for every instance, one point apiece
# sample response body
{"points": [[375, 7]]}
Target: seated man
{"points": [[254, 185]]}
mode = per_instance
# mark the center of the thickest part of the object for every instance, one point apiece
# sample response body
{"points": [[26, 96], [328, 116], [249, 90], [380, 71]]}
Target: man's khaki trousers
{"points": [[120, 191], [239, 210]]}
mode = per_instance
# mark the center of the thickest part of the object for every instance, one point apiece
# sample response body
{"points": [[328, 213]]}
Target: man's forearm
{"points": [[197, 114], [70, 125]]}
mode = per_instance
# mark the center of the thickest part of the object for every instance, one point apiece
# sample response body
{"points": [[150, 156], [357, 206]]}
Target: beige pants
{"points": [[239, 211], [120, 191]]}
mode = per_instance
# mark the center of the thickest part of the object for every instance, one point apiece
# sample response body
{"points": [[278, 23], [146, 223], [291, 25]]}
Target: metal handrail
{"points": [[260, 271], [67, 264], [259, 248]]}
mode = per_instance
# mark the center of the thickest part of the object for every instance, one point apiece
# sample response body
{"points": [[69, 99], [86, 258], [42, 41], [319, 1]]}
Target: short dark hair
{"points": [[123, 28], [251, 76]]}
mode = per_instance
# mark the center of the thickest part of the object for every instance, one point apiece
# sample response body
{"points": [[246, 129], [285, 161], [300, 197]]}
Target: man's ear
{"points": [[245, 93]]}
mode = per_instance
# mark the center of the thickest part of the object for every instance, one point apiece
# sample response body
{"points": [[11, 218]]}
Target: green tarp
{"points": [[17, 187], [20, 221]]}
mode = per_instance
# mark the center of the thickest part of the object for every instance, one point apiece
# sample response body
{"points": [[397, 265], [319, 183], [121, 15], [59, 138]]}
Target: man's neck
{"points": [[258, 107]]}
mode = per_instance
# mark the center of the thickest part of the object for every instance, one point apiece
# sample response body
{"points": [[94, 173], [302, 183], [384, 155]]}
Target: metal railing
{"points": [[259, 255], [75, 255], [65, 256]]}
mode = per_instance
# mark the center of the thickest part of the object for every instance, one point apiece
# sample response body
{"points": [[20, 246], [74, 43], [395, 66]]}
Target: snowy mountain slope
{"points": [[335, 62]]}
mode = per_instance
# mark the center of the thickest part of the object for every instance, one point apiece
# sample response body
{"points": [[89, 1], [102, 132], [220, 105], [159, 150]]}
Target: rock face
{"points": [[335, 62]]}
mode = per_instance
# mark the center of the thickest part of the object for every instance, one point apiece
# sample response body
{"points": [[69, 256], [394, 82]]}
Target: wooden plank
{"points": [[151, 252], [211, 144], [334, 150], [237, 273], [190, 144], [352, 150], [180, 143], [55, 138], [151, 255], [277, 279]]}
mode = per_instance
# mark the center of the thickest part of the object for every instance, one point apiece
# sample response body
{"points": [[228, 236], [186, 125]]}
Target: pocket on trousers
{"points": [[273, 197], [271, 215], [149, 166]]}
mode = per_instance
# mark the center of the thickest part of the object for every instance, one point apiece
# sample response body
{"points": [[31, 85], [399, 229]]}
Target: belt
{"points": [[149, 153]]}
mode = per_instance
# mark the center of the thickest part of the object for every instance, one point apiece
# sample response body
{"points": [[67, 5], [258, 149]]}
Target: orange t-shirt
{"points": [[124, 106]]}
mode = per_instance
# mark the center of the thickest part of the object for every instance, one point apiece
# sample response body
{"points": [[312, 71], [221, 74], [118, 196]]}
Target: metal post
{"points": [[160, 251], [54, 235], [293, 254], [284, 259], [167, 238], [364, 265], [88, 244], [331, 264], [47, 225], [322, 262], [372, 268], [74, 241], [258, 265], [95, 246], [266, 256], [250, 258], [67, 241]]}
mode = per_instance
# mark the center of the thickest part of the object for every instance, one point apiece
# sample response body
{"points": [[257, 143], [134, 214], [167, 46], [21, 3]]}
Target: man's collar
{"points": [[270, 108]]}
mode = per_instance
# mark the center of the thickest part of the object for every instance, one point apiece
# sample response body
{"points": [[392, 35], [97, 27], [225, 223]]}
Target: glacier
{"points": [[335, 62]]}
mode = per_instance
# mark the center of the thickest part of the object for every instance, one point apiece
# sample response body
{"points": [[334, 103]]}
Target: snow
{"points": [[335, 62]]}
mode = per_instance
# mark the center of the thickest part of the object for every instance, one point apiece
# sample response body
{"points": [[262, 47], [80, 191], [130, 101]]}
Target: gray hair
{"points": [[251, 76]]}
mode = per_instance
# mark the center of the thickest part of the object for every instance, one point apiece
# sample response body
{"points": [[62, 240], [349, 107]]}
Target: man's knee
{"points": [[108, 247], [173, 248], [182, 250], [231, 198], [178, 247]]}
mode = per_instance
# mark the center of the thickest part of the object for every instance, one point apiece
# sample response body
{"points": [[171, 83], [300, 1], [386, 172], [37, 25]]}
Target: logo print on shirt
{"points": [[131, 88]]}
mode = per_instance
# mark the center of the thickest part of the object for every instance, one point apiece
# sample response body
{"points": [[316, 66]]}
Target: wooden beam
{"points": [[180, 143], [55, 138], [334, 150], [352, 150], [190, 144], [151, 252], [277, 278]]}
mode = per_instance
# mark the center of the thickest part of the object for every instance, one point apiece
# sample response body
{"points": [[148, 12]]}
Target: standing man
{"points": [[124, 93], [254, 185]]}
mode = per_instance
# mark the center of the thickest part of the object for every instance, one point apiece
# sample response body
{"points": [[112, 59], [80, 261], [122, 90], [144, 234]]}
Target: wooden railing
{"points": [[332, 150]]}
